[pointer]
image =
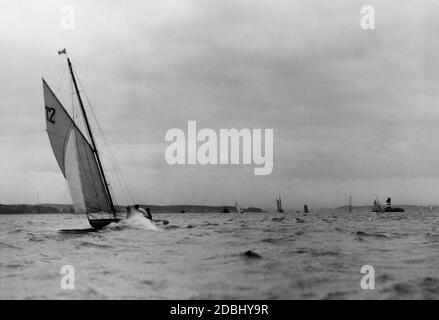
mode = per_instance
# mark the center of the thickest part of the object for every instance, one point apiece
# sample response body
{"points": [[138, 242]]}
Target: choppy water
{"points": [[202, 256]]}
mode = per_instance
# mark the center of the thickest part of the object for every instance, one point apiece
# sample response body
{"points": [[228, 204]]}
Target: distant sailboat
{"points": [[305, 209], [38, 203], [389, 207], [225, 210], [238, 208], [37, 209], [377, 206], [279, 205], [79, 161]]}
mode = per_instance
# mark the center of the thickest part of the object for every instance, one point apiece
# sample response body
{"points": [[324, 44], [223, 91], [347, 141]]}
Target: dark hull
{"points": [[101, 223], [394, 210], [390, 210]]}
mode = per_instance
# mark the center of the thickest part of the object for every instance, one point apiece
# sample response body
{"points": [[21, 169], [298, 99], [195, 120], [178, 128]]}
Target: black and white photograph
{"points": [[219, 150]]}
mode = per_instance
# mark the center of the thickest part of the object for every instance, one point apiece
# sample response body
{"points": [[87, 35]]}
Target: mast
{"points": [[95, 150], [350, 204]]}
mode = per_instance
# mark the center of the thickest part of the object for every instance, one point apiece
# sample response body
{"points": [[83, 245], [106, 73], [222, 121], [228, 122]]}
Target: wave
{"points": [[35, 238], [13, 265], [89, 244], [360, 234], [317, 253], [430, 285], [137, 221], [271, 240], [252, 255], [278, 239], [209, 224], [432, 237], [77, 231], [5, 245], [423, 288], [19, 230]]}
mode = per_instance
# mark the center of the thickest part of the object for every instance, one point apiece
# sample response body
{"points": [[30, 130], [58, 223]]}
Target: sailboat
{"points": [[279, 205], [225, 210], [305, 208], [38, 203], [36, 209], [238, 208], [79, 161], [377, 206]]}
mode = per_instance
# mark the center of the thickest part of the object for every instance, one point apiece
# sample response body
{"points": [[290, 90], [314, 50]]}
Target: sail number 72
{"points": [[50, 114]]}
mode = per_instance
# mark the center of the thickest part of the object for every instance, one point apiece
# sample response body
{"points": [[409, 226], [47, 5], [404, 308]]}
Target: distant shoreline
{"points": [[68, 208]]}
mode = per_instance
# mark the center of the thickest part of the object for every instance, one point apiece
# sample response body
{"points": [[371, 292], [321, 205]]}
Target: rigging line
{"points": [[119, 176], [113, 161], [114, 165], [114, 197], [72, 94], [116, 202], [118, 172]]}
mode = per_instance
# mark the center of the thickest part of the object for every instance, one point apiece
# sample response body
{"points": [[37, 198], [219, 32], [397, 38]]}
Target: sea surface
{"points": [[223, 256]]}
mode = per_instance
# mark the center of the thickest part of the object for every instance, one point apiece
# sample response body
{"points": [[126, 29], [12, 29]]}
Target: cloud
{"points": [[350, 108]]}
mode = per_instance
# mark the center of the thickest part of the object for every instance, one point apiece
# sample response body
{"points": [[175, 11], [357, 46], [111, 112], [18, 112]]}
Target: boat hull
{"points": [[389, 210], [394, 210], [99, 220], [101, 223]]}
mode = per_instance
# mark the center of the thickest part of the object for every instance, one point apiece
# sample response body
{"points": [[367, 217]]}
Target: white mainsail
{"points": [[377, 205], [75, 158], [238, 208], [72, 175]]}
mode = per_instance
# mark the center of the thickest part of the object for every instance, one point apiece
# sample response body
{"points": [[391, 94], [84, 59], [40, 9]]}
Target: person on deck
{"points": [[146, 214]]}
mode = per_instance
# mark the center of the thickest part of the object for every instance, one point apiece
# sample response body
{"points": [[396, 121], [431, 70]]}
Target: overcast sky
{"points": [[353, 111]]}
